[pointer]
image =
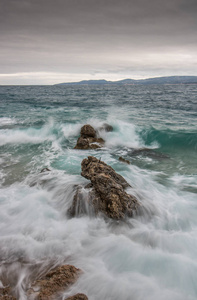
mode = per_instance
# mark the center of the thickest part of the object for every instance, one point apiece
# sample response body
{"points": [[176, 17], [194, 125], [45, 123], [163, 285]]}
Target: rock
{"points": [[124, 160], [54, 282], [149, 153], [45, 170], [106, 127], [85, 206], [106, 193], [5, 294], [89, 139], [91, 167], [82, 143], [85, 143], [78, 297], [88, 131]]}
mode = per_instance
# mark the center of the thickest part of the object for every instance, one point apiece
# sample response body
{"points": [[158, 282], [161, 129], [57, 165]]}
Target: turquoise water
{"points": [[152, 256]]}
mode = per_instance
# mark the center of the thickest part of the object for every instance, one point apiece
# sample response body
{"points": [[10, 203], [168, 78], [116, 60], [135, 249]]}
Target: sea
{"points": [[148, 257]]}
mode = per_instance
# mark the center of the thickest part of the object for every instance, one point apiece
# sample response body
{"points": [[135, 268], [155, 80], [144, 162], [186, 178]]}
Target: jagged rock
{"points": [[54, 282], [77, 297], [106, 193], [89, 139], [106, 127], [91, 167], [124, 160]]}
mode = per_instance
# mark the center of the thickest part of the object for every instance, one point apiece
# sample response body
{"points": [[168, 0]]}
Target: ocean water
{"points": [[149, 257]]}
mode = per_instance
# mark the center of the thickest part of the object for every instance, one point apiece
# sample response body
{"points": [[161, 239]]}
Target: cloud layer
{"points": [[45, 41]]}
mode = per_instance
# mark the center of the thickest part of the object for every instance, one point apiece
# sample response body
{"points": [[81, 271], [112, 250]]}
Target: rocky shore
{"points": [[105, 195]]}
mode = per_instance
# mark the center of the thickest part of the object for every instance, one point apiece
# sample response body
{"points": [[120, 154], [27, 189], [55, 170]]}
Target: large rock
{"points": [[89, 139], [106, 193]]}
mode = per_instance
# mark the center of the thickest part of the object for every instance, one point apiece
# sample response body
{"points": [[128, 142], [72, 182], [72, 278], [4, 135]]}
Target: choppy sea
{"points": [[149, 257]]}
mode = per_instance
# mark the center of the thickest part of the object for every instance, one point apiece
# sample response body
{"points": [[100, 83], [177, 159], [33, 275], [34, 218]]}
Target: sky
{"points": [[54, 41]]}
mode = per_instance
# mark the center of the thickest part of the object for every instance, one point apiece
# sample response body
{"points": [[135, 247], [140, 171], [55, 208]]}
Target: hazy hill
{"points": [[156, 80]]}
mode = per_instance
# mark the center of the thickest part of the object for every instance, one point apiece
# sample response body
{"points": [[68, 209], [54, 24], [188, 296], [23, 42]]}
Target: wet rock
{"points": [[82, 203], [78, 297], [106, 127], [82, 143], [85, 143], [106, 194], [124, 160], [45, 170], [89, 139], [88, 131], [92, 167], [53, 283], [5, 294]]}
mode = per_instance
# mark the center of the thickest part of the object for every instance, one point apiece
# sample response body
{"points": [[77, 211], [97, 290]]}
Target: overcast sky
{"points": [[52, 41]]}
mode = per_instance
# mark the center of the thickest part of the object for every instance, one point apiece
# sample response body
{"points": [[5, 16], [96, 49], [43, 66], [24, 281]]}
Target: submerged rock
{"points": [[124, 160], [77, 297], [106, 193], [149, 153], [89, 139], [106, 127], [45, 170], [53, 283]]}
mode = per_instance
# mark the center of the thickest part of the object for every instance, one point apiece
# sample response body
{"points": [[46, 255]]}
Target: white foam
{"points": [[71, 129], [30, 135], [146, 257], [152, 256], [7, 121]]}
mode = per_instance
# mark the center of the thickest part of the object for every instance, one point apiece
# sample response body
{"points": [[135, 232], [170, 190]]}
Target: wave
{"points": [[124, 134], [28, 135], [167, 138]]}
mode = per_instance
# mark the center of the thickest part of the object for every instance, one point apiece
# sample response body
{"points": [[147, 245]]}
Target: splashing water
{"points": [[152, 256]]}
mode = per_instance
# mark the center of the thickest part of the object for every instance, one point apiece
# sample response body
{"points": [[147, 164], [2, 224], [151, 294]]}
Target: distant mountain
{"points": [[169, 80], [156, 80], [101, 81]]}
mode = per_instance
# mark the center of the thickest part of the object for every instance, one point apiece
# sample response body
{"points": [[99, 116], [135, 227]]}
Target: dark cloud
{"points": [[96, 36]]}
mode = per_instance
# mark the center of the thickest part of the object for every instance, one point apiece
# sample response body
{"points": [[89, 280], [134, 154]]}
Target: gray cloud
{"points": [[92, 37]]}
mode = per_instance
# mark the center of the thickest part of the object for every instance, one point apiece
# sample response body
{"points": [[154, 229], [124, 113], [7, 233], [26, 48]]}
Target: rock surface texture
{"points": [[78, 297], [5, 294], [106, 192], [54, 282], [88, 139]]}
